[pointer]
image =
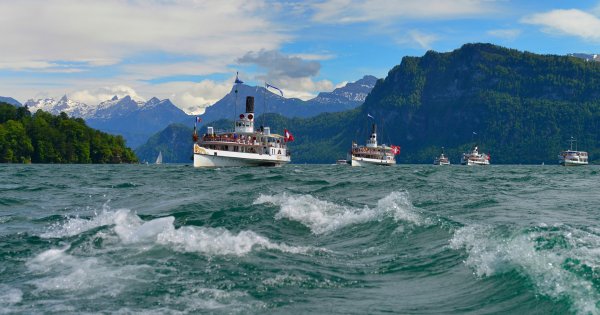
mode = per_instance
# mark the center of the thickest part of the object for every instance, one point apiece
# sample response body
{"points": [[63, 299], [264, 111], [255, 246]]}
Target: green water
{"points": [[325, 239]]}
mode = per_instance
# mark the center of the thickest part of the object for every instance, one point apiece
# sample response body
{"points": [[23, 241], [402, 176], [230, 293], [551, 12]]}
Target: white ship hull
{"points": [[573, 158], [441, 163], [217, 158], [572, 163], [361, 161], [475, 162]]}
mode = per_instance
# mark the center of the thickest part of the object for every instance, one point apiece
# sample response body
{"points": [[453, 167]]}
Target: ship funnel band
{"points": [[250, 104]]}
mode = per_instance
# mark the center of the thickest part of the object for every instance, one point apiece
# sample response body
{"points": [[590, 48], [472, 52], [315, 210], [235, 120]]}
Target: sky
{"points": [[189, 51]]}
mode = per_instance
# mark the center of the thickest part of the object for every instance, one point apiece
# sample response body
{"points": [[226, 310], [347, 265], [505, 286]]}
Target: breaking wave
{"points": [[131, 229], [324, 216], [562, 262]]}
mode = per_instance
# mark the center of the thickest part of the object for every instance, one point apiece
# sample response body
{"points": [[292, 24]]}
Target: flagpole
{"points": [[236, 98], [264, 104]]}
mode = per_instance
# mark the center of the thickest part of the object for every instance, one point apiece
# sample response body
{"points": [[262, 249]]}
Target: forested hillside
{"points": [[45, 138]]}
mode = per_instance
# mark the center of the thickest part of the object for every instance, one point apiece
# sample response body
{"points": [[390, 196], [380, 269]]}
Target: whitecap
{"points": [[9, 295], [324, 216], [491, 253], [131, 229], [76, 225], [56, 270]]}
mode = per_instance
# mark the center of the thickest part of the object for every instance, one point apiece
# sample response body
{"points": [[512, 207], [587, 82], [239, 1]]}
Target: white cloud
{"points": [[415, 38], [38, 32], [148, 70], [424, 40], [94, 97], [356, 11], [314, 56], [508, 34], [281, 65], [192, 97], [302, 88], [572, 22], [291, 73]]}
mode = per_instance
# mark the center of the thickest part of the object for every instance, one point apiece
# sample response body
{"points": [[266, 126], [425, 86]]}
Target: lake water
{"points": [[326, 239]]}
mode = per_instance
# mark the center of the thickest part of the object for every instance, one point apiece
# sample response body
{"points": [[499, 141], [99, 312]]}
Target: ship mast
{"points": [[237, 81]]}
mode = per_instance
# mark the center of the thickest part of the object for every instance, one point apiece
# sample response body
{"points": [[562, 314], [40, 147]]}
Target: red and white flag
{"points": [[287, 136], [395, 149]]}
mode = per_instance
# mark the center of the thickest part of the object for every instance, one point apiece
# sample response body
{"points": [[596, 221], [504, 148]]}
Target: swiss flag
{"points": [[287, 136], [395, 149]]}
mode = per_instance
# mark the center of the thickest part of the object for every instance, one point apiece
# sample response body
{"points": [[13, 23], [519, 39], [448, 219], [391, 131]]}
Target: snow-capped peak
{"points": [[64, 104]]}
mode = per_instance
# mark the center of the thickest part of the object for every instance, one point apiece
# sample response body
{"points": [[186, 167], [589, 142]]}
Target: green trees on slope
{"points": [[45, 138]]}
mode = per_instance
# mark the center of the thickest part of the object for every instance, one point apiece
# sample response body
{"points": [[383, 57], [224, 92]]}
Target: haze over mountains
{"points": [[10, 100]]}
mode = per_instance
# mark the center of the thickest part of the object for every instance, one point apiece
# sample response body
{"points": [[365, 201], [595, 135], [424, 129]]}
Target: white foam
{"points": [[490, 253], [200, 300], [9, 296], [324, 216], [219, 241], [76, 225], [131, 229], [55, 269], [284, 279]]}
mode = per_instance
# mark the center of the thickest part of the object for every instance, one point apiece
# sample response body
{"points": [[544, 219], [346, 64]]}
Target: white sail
{"points": [[159, 158]]}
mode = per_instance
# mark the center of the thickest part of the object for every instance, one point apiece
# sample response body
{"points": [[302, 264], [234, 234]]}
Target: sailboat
{"points": [[159, 158]]}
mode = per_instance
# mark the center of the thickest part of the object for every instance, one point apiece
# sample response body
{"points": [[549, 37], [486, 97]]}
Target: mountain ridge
{"points": [[343, 98]]}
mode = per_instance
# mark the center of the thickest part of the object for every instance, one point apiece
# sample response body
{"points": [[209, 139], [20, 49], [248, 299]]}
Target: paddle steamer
{"points": [[372, 154], [442, 159], [475, 158], [244, 146]]}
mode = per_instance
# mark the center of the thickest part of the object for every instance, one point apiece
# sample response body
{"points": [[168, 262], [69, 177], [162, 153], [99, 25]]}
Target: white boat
{"points": [[159, 158], [243, 146], [573, 157], [372, 154], [341, 162], [475, 158], [442, 159]]}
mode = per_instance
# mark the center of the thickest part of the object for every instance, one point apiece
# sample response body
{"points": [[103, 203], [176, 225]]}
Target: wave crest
{"points": [[324, 216], [549, 256], [131, 229]]}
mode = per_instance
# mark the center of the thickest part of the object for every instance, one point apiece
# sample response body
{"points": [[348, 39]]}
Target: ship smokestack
{"points": [[250, 104], [374, 129]]}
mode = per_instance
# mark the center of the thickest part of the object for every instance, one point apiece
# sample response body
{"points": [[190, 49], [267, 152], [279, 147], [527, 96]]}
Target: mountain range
{"points": [[347, 97], [10, 100], [519, 106], [136, 121]]}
